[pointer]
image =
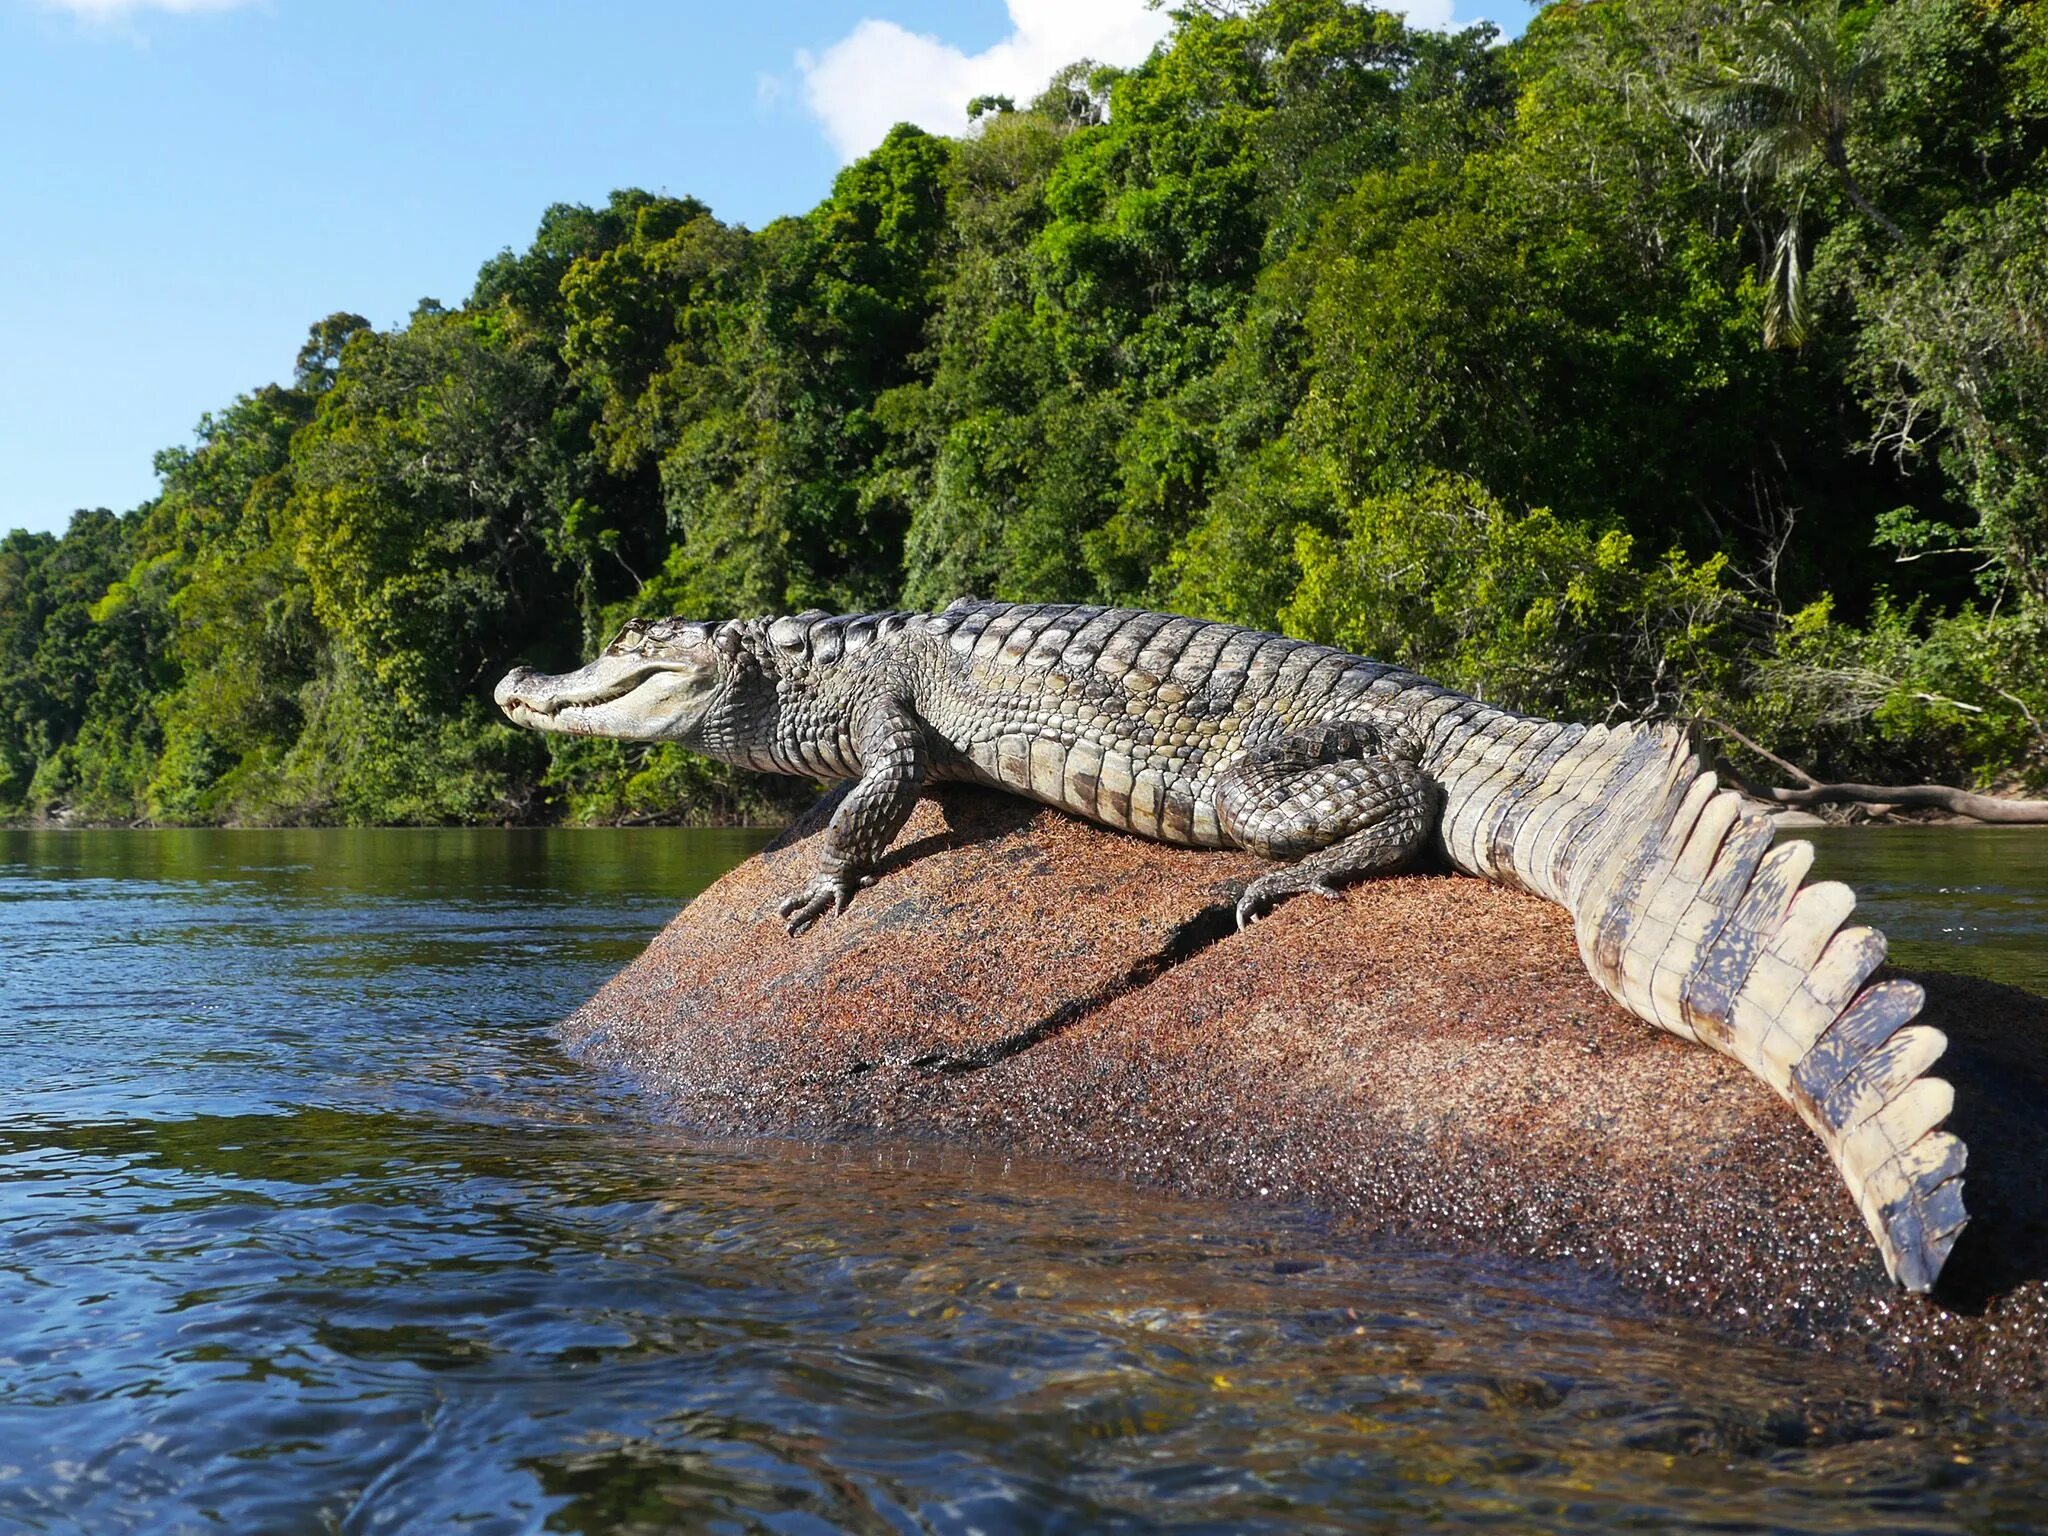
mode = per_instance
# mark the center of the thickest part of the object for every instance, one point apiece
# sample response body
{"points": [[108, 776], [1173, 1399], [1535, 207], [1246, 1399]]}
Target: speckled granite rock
{"points": [[1424, 1056]]}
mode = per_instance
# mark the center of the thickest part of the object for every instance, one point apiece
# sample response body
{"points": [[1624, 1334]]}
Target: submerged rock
{"points": [[1424, 1056]]}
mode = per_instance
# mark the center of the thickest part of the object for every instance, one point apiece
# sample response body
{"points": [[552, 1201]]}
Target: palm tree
{"points": [[1786, 84]]}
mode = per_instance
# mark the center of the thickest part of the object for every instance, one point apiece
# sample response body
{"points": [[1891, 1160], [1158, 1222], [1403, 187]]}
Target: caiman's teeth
{"points": [[549, 706]]}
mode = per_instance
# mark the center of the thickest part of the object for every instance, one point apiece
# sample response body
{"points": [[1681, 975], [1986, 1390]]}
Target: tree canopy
{"points": [[1682, 357]]}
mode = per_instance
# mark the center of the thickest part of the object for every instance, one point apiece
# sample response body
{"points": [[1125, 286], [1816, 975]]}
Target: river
{"points": [[309, 1227]]}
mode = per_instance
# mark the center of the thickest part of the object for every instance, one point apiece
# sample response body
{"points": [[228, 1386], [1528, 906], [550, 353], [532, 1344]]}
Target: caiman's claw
{"points": [[827, 893], [1268, 891], [804, 909]]}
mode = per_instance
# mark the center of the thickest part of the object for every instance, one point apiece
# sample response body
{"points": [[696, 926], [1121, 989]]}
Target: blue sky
{"points": [[192, 183]]}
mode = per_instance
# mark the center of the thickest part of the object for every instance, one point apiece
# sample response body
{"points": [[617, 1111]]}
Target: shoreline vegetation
{"points": [[1847, 805], [1678, 359]]}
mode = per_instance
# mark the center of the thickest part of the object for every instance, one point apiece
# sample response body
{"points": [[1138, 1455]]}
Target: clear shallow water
{"points": [[305, 1225], [1972, 899]]}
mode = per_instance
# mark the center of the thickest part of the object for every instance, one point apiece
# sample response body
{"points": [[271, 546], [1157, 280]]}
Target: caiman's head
{"points": [[657, 681]]}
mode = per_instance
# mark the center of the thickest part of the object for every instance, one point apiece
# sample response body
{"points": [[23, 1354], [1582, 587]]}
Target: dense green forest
{"points": [[1680, 358]]}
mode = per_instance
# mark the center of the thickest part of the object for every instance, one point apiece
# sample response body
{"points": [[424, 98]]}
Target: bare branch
{"points": [[1939, 797], [1763, 752]]}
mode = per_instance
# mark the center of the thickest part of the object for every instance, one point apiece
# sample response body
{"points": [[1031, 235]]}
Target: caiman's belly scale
{"points": [[1130, 724], [1109, 754], [1132, 791]]}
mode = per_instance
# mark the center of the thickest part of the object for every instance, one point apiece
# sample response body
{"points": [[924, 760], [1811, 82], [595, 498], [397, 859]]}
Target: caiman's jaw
{"points": [[639, 690]]}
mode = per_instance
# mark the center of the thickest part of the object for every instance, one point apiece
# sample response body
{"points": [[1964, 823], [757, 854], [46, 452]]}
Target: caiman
{"points": [[1213, 736]]}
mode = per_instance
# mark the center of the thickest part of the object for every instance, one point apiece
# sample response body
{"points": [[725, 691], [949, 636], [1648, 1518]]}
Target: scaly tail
{"points": [[1688, 918]]}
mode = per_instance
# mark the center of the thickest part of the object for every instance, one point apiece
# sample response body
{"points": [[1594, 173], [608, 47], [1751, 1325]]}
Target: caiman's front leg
{"points": [[893, 754], [1340, 801]]}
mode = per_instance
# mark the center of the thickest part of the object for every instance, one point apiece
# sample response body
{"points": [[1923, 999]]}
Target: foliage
{"points": [[1954, 356], [1681, 357], [1950, 692], [1787, 83], [1529, 610]]}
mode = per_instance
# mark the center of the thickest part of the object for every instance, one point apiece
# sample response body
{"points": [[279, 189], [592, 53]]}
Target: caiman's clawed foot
{"points": [[1268, 891], [1337, 817], [827, 893]]}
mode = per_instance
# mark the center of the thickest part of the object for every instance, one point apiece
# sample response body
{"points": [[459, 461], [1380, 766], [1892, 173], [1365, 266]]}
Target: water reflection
{"points": [[307, 1226]]}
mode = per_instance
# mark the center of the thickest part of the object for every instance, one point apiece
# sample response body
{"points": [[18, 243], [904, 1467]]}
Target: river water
{"points": [[309, 1227]]}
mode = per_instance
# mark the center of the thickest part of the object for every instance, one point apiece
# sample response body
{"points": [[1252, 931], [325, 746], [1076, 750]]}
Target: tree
{"points": [[1444, 348], [1785, 84], [320, 357]]}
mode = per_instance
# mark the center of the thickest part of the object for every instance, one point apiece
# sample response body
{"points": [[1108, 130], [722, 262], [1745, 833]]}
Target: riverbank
{"points": [[1424, 1058], [786, 807], [687, 818]]}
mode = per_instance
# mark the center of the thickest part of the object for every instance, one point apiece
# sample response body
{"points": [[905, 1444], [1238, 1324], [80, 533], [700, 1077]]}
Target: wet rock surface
{"points": [[1423, 1057]]}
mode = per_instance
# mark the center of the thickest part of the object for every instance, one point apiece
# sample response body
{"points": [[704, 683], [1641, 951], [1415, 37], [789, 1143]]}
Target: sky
{"points": [[193, 183]]}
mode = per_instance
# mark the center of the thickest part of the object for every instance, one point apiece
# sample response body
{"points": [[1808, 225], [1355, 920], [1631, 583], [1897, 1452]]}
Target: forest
{"points": [[1680, 358]]}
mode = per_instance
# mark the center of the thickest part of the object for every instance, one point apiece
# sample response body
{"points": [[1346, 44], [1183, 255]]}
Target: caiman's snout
{"points": [[548, 701], [628, 694], [517, 690]]}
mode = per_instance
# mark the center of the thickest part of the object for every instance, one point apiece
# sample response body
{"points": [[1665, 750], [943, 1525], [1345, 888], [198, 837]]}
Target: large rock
{"points": [[1424, 1056]]}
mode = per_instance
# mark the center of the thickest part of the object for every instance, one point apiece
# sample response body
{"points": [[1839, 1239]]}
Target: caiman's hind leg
{"points": [[1339, 802]]}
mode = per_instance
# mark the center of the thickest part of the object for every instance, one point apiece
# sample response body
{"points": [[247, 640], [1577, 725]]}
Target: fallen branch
{"points": [[1938, 797], [1761, 751]]}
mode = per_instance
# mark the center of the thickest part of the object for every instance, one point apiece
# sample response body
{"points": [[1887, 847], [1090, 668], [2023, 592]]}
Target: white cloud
{"points": [[881, 74], [121, 10], [1432, 14]]}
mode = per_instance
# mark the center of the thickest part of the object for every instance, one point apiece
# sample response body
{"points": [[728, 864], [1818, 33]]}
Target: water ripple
{"points": [[305, 1225]]}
